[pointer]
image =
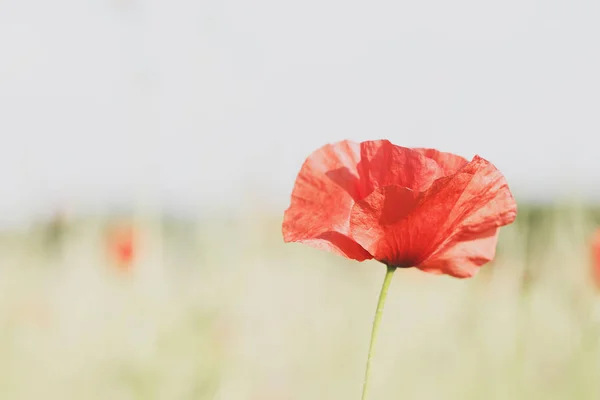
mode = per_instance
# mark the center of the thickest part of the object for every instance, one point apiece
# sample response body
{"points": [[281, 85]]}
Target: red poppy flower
{"points": [[404, 207], [122, 246], [596, 258]]}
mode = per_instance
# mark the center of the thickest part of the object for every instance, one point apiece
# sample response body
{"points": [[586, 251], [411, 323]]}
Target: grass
{"points": [[222, 309]]}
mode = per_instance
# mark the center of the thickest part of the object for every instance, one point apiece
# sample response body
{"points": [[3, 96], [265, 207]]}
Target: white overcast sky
{"points": [[194, 102]]}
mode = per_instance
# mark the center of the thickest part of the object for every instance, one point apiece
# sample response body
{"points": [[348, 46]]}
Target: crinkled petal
{"points": [[463, 258], [383, 164], [403, 228], [378, 223], [448, 162], [470, 230], [322, 198], [338, 243]]}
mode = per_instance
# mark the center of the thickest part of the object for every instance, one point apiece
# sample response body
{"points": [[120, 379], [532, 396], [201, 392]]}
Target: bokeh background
{"points": [[148, 152]]}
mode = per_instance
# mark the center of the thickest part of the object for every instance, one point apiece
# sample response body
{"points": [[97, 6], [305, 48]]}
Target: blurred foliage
{"points": [[220, 308]]}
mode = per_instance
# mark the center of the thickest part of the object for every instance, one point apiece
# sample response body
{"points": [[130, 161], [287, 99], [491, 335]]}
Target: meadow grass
{"points": [[222, 309]]}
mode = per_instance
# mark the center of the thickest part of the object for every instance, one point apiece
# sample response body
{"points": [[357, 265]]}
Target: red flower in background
{"points": [[122, 246], [404, 207], [596, 258]]}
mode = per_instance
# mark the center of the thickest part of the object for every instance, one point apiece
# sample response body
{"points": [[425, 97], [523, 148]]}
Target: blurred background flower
{"points": [[122, 245], [596, 257]]}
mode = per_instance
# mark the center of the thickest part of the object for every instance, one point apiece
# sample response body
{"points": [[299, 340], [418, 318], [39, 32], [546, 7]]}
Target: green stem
{"points": [[378, 314]]}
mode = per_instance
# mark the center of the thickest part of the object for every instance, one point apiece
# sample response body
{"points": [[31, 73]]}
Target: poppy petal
{"points": [[337, 243], [383, 164], [322, 198], [378, 223], [450, 163], [485, 202], [471, 228], [463, 258], [407, 241], [404, 228]]}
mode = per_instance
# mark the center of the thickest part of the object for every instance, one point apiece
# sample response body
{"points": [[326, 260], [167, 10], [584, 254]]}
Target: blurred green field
{"points": [[222, 309]]}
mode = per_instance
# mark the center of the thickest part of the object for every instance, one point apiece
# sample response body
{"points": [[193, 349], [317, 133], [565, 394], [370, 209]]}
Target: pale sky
{"points": [[194, 102]]}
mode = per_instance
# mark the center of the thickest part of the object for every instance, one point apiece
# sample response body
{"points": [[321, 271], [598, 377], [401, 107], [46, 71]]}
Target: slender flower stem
{"points": [[378, 314]]}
